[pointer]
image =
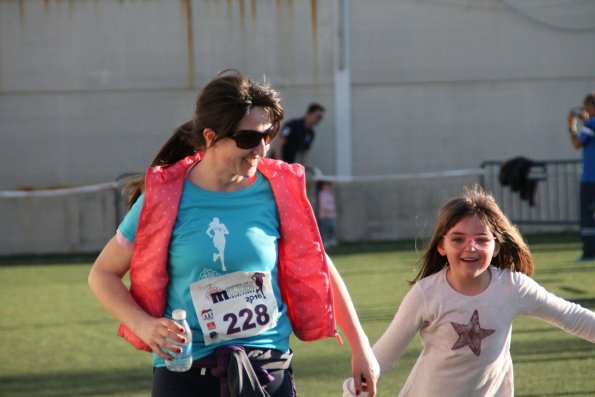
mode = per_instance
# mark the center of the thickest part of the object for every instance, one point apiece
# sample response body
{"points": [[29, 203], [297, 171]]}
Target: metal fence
{"points": [[553, 197]]}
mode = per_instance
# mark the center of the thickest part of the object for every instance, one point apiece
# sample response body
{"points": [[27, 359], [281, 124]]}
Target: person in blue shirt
{"points": [[582, 136], [295, 140]]}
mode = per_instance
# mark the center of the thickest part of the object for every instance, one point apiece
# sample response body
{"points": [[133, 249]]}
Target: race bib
{"points": [[235, 305]]}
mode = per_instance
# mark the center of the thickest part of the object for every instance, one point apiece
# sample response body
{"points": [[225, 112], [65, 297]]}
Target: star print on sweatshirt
{"points": [[471, 334]]}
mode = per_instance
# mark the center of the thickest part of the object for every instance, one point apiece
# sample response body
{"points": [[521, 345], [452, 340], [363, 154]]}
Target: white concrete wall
{"points": [[91, 89], [80, 223], [448, 84]]}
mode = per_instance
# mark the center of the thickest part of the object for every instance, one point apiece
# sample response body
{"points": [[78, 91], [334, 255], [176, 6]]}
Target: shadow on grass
{"points": [[568, 349], [74, 384], [572, 289], [57, 324], [48, 259], [566, 269], [585, 302], [379, 313]]}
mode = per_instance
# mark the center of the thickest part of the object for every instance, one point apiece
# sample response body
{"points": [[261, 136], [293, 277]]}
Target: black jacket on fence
{"points": [[515, 173]]}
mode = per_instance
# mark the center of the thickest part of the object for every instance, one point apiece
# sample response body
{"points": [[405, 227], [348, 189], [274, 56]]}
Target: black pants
{"points": [[587, 198], [192, 384]]}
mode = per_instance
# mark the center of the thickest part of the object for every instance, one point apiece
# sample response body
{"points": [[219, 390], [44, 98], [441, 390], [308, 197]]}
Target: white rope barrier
{"points": [[399, 177]]}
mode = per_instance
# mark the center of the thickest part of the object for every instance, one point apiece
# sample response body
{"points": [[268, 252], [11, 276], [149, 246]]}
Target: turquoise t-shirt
{"points": [[235, 231]]}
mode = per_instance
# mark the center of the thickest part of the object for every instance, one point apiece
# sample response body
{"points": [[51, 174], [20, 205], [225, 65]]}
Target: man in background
{"points": [[583, 136], [294, 142]]}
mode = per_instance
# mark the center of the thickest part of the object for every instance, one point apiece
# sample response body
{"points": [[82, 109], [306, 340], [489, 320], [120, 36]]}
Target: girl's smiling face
{"points": [[469, 247]]}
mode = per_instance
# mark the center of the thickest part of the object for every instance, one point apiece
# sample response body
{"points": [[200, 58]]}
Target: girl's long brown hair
{"points": [[220, 106], [513, 252]]}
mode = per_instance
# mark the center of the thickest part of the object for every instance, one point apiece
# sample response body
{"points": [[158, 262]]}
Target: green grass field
{"points": [[55, 340]]}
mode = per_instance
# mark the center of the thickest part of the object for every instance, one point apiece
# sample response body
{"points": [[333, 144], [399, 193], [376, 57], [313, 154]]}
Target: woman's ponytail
{"points": [[183, 143]]}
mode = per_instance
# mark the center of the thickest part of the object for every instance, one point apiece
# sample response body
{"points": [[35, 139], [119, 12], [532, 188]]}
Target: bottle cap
{"points": [[179, 314]]}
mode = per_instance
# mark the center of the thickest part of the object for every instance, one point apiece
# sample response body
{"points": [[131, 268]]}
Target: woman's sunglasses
{"points": [[249, 139]]}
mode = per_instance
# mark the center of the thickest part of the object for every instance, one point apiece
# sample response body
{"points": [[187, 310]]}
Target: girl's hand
{"points": [[365, 371], [349, 390], [157, 333]]}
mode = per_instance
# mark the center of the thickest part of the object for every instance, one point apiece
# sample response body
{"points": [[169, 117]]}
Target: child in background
{"points": [[327, 213], [473, 282]]}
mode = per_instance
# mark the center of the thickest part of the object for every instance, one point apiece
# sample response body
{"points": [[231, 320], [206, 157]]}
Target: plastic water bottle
{"points": [[181, 361]]}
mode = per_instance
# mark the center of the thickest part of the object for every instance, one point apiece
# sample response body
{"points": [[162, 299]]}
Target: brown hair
{"points": [[315, 107], [220, 106], [513, 252]]}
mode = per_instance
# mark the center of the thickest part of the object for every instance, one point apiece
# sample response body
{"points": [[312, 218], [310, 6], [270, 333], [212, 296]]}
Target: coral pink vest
{"points": [[304, 279]]}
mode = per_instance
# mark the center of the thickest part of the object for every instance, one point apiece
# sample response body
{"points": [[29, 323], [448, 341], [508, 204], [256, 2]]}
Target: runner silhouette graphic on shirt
{"points": [[257, 278], [217, 232]]}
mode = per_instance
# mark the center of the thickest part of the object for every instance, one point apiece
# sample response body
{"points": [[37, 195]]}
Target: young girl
{"points": [[327, 213], [473, 282]]}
